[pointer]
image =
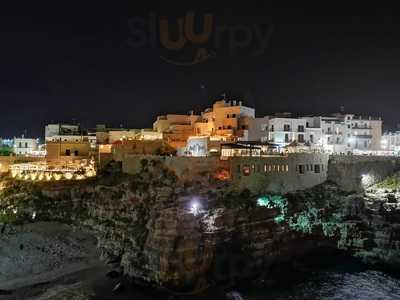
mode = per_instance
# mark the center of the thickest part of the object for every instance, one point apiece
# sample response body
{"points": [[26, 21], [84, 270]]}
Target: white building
{"points": [[55, 130], [391, 142], [66, 133], [25, 146], [339, 133], [284, 131]]}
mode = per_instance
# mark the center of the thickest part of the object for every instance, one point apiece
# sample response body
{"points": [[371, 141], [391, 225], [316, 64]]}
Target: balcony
{"points": [[361, 127], [363, 136]]}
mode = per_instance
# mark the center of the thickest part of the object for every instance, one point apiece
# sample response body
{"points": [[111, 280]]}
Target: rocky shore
{"points": [[187, 236]]}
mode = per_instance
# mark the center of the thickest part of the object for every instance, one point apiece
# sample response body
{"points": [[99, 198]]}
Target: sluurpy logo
{"points": [[180, 41]]}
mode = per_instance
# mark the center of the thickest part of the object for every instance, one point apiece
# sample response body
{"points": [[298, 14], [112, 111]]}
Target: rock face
{"points": [[179, 234]]}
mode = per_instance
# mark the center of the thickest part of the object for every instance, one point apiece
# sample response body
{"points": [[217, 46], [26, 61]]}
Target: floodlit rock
{"points": [[145, 226]]}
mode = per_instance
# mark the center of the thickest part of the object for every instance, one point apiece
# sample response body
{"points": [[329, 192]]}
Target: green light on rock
{"points": [[275, 201], [263, 201]]}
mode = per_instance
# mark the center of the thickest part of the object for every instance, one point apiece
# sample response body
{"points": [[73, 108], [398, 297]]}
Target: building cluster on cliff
{"points": [[226, 141], [228, 128]]}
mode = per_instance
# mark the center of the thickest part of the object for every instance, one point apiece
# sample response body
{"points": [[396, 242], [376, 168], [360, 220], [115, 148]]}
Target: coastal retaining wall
{"points": [[355, 173], [184, 167], [279, 174]]}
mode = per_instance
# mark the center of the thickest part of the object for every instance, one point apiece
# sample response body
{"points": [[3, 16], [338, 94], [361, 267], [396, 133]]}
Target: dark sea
{"points": [[329, 278], [345, 280], [332, 284]]}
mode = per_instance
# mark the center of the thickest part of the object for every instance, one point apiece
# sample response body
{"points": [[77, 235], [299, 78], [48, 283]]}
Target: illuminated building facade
{"points": [[25, 146]]}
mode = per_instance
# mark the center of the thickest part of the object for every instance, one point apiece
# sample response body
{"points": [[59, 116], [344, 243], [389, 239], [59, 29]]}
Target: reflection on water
{"points": [[333, 284]]}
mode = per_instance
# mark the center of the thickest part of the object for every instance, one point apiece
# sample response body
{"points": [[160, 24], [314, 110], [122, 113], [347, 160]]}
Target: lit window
{"points": [[246, 170], [265, 168], [317, 169], [287, 168]]}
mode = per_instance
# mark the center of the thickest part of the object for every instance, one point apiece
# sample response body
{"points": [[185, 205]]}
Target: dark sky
{"points": [[72, 61]]}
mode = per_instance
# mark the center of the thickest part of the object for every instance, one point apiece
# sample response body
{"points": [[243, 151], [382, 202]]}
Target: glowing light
{"points": [[367, 180], [68, 176], [90, 173], [57, 176], [41, 176], [263, 201], [48, 176], [33, 176], [195, 207], [34, 215]]}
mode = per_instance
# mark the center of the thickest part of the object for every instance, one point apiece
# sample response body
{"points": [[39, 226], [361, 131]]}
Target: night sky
{"points": [[70, 62]]}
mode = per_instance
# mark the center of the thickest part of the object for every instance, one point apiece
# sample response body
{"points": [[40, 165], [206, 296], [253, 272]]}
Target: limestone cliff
{"points": [[179, 234]]}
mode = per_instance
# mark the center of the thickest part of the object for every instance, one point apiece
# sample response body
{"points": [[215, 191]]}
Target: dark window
{"points": [[219, 127], [286, 138], [301, 138], [233, 115], [76, 153], [244, 127], [272, 127], [238, 168], [227, 116], [307, 124], [229, 127], [348, 126], [286, 127], [68, 152], [26, 145], [311, 138], [300, 128], [317, 168], [301, 169]]}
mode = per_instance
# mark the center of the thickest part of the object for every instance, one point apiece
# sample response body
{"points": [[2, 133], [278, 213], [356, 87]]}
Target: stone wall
{"points": [[6, 161], [355, 173], [186, 168], [273, 174], [279, 174]]}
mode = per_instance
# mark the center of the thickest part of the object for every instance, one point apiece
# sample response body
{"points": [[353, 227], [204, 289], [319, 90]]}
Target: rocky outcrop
{"points": [[179, 234]]}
